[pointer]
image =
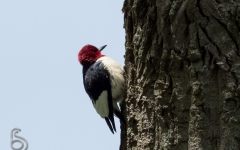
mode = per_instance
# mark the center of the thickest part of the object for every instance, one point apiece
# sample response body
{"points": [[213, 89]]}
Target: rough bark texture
{"points": [[182, 75]]}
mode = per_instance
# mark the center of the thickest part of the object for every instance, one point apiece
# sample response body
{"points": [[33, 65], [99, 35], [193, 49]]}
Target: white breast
{"points": [[116, 76]]}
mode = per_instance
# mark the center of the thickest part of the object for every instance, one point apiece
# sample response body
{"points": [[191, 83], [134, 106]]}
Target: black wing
{"points": [[96, 80]]}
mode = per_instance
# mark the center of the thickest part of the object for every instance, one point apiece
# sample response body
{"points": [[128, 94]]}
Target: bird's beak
{"points": [[101, 48]]}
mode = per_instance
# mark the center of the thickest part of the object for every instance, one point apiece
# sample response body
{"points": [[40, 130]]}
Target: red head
{"points": [[89, 53]]}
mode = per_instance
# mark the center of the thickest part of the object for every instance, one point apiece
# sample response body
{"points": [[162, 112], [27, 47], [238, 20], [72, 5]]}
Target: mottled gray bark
{"points": [[182, 75]]}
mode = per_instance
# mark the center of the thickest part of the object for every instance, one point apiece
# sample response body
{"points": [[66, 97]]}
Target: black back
{"points": [[96, 80]]}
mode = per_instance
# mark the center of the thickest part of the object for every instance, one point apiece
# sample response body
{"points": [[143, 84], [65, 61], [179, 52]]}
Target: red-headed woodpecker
{"points": [[104, 83]]}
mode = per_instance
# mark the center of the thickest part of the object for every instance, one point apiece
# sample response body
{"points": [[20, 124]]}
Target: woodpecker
{"points": [[103, 82]]}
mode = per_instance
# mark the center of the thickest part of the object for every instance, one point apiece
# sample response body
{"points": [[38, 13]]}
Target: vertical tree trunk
{"points": [[182, 75]]}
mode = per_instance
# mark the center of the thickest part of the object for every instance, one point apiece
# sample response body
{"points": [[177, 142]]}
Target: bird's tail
{"points": [[110, 117], [111, 125]]}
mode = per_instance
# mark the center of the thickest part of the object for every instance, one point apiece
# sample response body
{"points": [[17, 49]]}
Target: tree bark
{"points": [[182, 67]]}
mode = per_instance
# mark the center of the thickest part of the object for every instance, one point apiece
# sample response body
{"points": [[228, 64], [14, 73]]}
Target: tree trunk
{"points": [[182, 75]]}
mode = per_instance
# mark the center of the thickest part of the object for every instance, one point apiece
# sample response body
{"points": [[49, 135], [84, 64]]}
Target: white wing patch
{"points": [[101, 105]]}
